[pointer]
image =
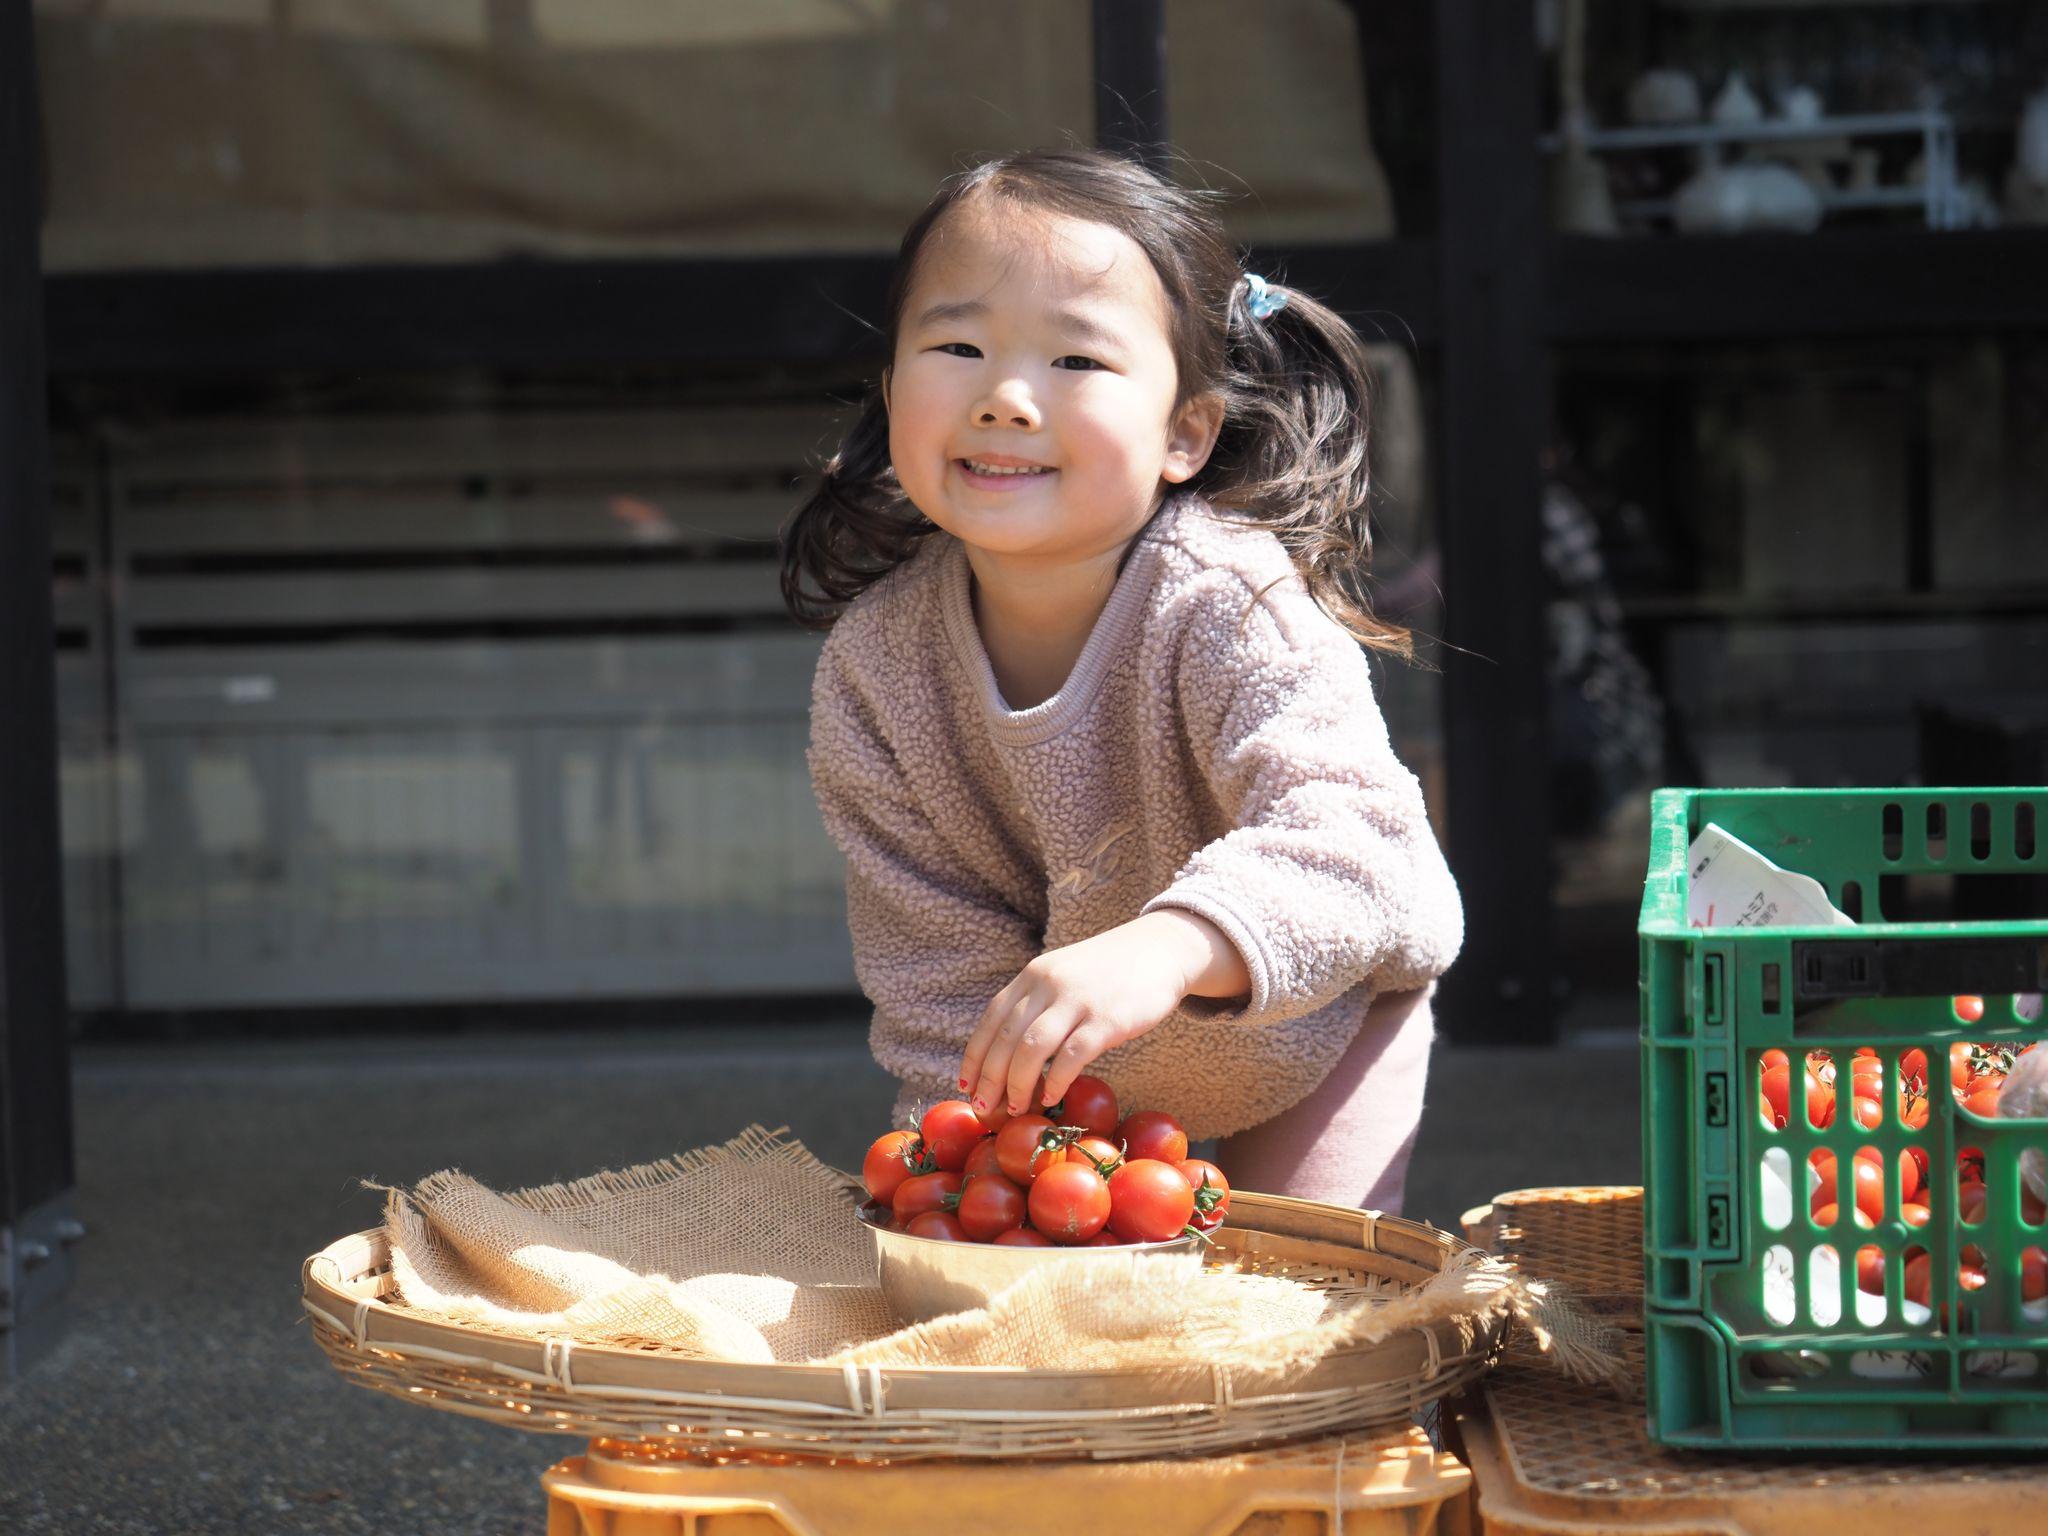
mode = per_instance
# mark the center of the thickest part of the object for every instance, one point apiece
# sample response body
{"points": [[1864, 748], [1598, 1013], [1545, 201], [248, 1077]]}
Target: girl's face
{"points": [[1031, 398]]}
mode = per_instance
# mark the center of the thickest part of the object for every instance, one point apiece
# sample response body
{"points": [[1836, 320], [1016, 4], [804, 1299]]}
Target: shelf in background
{"points": [[535, 314], [1775, 130], [1830, 607], [1768, 287], [527, 313]]}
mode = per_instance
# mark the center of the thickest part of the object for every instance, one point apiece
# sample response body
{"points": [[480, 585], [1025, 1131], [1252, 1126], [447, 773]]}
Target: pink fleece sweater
{"points": [[1212, 750]]}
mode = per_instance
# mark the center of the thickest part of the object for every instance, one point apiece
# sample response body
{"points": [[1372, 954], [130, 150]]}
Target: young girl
{"points": [[1093, 725]]}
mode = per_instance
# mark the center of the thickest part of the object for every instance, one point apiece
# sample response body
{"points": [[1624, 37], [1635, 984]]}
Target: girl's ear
{"points": [[1192, 438]]}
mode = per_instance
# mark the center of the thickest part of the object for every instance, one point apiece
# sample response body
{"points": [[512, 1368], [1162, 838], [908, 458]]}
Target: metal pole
{"points": [[1492, 419], [1130, 78], [36, 1171]]}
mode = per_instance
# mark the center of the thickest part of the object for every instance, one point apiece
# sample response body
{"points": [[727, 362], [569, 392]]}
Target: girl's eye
{"points": [[1075, 361], [958, 349]]}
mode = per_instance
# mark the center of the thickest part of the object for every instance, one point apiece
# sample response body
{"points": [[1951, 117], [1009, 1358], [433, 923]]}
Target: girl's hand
{"points": [[1070, 1005]]}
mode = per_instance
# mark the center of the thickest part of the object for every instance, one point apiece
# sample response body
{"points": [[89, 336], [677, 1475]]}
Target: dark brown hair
{"points": [[1291, 454]]}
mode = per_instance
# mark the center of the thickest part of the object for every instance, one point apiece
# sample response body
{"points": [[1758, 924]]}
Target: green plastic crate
{"points": [[1728, 1364]]}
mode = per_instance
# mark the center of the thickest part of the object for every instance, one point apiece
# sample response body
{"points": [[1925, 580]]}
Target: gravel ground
{"points": [[187, 1395]]}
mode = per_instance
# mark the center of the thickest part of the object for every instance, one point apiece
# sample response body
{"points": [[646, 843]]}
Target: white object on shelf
{"points": [[1739, 199], [1737, 104], [1801, 104], [1663, 98], [1939, 194]]}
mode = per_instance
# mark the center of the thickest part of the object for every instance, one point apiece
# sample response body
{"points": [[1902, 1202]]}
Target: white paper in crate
{"points": [[1730, 885]]}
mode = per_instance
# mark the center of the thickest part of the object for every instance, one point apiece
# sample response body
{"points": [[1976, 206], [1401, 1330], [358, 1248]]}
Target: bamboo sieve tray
{"points": [[892, 1414]]}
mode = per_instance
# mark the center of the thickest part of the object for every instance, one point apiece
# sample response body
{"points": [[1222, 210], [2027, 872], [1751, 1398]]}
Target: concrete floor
{"points": [[186, 1394]]}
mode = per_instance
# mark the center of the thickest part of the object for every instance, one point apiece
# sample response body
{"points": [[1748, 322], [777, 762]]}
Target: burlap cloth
{"points": [[750, 1252]]}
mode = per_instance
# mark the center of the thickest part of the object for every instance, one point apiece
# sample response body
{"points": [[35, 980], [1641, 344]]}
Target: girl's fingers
{"points": [[993, 1072], [984, 1035], [1071, 1060], [1041, 1037]]}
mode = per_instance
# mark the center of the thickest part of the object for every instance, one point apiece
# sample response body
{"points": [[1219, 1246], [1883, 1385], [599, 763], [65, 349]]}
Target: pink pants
{"points": [[1348, 1143]]}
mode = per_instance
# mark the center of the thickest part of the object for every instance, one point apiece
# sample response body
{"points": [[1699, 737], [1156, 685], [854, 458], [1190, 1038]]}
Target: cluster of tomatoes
{"points": [[1976, 1074], [1078, 1175]]}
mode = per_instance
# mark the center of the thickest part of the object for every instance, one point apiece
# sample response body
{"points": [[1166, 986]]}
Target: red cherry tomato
{"points": [[1959, 1072], [1149, 1201], [1982, 1098], [888, 1163], [1153, 1134], [1866, 1112], [1090, 1103], [1103, 1239], [1913, 1065], [993, 1117], [1775, 1105], [2034, 1275], [1870, 1185], [1212, 1192], [936, 1224], [1021, 1237], [2033, 1209], [1018, 1151], [1098, 1152], [1823, 1164], [1919, 1270], [1820, 1103], [951, 1128], [923, 1192], [1914, 1213], [1968, 1008], [981, 1158], [1870, 1271], [988, 1205], [1069, 1202], [1970, 1202], [1911, 1176], [1827, 1215]]}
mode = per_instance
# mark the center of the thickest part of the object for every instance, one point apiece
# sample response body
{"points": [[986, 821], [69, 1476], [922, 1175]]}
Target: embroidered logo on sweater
{"points": [[1104, 861]]}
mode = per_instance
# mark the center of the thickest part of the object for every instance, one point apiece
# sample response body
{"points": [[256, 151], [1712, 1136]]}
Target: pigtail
{"points": [[853, 530], [1292, 453]]}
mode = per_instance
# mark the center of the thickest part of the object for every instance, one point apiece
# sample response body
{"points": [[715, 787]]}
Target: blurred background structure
{"points": [[396, 439]]}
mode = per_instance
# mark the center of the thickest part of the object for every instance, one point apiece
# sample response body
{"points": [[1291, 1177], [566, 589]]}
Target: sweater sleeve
{"points": [[1331, 874], [933, 941]]}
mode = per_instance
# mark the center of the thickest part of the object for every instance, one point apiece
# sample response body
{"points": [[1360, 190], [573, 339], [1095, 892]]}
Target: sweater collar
{"points": [[1113, 628]]}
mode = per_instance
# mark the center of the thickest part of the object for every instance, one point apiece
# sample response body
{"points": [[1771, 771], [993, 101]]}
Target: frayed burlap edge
{"points": [[755, 1145], [1467, 1297]]}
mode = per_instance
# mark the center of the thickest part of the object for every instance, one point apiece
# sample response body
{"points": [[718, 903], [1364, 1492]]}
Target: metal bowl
{"points": [[927, 1277]]}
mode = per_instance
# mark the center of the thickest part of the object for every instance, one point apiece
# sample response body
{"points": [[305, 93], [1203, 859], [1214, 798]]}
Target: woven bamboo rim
{"points": [[1586, 1237], [887, 1414]]}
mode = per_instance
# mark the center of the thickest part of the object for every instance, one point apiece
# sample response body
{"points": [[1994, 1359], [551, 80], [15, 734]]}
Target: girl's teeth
{"points": [[991, 469]]}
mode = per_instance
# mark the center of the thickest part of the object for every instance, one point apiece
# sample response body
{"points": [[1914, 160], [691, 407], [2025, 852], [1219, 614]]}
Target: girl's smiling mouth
{"points": [[1000, 472]]}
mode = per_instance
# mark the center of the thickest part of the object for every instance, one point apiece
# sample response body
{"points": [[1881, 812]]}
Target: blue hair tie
{"points": [[1265, 300]]}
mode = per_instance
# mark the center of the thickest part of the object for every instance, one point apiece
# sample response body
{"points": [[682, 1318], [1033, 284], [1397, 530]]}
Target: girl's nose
{"points": [[1009, 403]]}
